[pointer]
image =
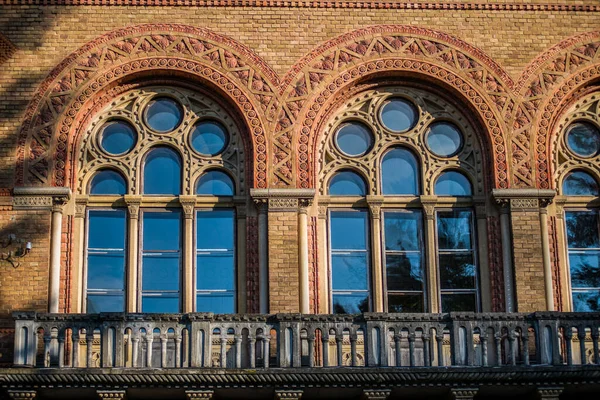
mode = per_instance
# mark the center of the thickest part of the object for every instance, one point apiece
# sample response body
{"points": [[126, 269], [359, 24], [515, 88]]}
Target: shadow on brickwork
{"points": [[27, 28]]}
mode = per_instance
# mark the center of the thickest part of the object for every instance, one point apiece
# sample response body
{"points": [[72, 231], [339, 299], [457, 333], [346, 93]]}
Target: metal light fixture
{"points": [[22, 249]]}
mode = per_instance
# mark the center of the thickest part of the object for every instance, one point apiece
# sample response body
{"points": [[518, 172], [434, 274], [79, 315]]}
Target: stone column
{"points": [[548, 287], [79, 275], [374, 203], [242, 288], [484, 269], [507, 257], [188, 203], [432, 288], [133, 206], [304, 204], [323, 261], [263, 256], [58, 204]]}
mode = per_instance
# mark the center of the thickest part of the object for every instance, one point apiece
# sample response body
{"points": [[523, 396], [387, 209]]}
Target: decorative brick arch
{"points": [[6, 49], [384, 50], [43, 143], [543, 89]]}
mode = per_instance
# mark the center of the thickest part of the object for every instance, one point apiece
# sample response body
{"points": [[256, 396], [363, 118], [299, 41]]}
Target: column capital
{"points": [[133, 204], [80, 206], [524, 199], [374, 203], [41, 198], [283, 199], [377, 394], [188, 203]]}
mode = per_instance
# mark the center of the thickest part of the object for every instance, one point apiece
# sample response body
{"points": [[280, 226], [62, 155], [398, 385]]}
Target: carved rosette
{"points": [[377, 394], [199, 394], [464, 394], [111, 394]]}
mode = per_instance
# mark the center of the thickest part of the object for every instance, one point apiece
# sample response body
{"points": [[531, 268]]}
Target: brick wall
{"points": [[528, 261], [283, 262]]}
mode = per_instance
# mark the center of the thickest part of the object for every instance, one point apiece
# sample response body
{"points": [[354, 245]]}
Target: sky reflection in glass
{"points": [[163, 114], [399, 173], [215, 183], [452, 183], [579, 183], [399, 115], [209, 138], [108, 182], [583, 139], [162, 172], [347, 183], [118, 137], [444, 138], [354, 139]]}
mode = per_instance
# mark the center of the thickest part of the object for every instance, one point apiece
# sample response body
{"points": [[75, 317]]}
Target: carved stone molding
{"points": [[199, 394], [80, 206], [429, 203], [550, 393], [188, 203], [133, 205], [41, 198], [22, 394], [523, 199], [279, 200], [32, 202], [463, 394], [288, 394], [377, 394], [111, 394], [530, 204]]}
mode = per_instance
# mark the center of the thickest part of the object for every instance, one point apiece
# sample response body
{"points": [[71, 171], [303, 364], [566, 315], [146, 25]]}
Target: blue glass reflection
{"points": [[215, 183], [354, 139], [347, 183], [402, 231], [348, 230], [218, 303], [162, 172], [580, 183], [118, 137], [161, 304], [444, 138], [209, 138], [108, 182], [454, 230], [106, 229], [399, 173], [452, 183], [161, 231], [399, 115], [163, 114], [583, 139], [105, 303]]}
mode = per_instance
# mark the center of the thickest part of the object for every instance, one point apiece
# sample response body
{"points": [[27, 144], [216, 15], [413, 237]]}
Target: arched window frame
{"points": [[197, 107], [466, 160]]}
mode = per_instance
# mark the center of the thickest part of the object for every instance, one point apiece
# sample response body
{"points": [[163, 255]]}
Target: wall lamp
{"points": [[22, 249]]}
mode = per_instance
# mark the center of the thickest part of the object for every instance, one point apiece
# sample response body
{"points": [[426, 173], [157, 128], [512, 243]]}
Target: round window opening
{"points": [[209, 138], [399, 115], [163, 114], [354, 139], [444, 139], [583, 139], [117, 137]]}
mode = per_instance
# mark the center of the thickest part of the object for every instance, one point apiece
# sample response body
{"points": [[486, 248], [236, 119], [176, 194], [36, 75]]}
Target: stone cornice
{"points": [[297, 377], [377, 4]]}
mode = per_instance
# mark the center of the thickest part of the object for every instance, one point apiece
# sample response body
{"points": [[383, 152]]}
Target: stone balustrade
{"points": [[205, 340]]}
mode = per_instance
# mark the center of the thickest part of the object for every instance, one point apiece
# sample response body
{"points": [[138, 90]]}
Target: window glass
{"points": [[215, 183], [452, 183], [399, 115], [215, 261], [106, 261], [580, 183], [162, 172], [163, 114], [354, 139], [456, 261], [108, 182], [349, 262], [444, 139], [403, 261], [209, 138], [399, 173], [161, 259], [583, 240], [117, 137], [347, 183], [583, 139]]}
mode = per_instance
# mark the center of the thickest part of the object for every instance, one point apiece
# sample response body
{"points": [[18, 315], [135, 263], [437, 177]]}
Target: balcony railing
{"points": [[295, 340]]}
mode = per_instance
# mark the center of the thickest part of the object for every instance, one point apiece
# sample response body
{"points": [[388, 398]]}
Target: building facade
{"points": [[259, 199]]}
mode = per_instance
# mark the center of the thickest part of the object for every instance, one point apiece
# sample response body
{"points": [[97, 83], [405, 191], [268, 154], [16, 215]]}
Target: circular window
{"points": [[444, 139], [209, 138], [117, 137], [583, 139], [163, 114], [354, 139], [399, 115]]}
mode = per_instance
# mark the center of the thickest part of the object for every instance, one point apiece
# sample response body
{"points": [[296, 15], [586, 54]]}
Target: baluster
{"points": [[178, 363], [266, 339], [411, 348], [223, 348], [439, 337], [568, 336], [135, 347], [353, 339], [339, 342], [238, 351], [310, 338], [61, 349], [33, 348], [89, 342], [426, 357], [511, 347], [595, 337], [525, 341], [149, 340], [47, 345], [484, 348], [498, 340], [397, 339], [163, 350], [325, 345], [75, 350], [252, 351], [581, 337]]}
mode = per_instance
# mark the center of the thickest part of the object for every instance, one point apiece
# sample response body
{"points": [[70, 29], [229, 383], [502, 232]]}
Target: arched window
{"points": [[170, 213], [579, 183], [391, 240]]}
